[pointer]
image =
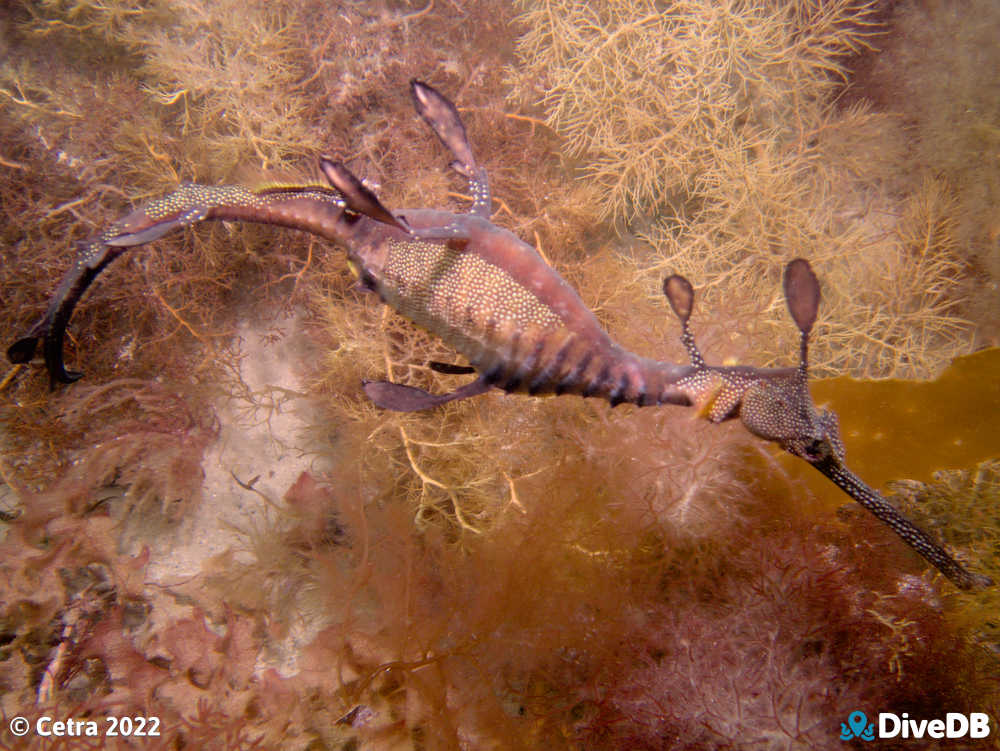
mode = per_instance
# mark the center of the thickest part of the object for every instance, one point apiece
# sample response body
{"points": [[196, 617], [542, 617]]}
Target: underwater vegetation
{"points": [[949, 106], [509, 572], [715, 132], [632, 86]]}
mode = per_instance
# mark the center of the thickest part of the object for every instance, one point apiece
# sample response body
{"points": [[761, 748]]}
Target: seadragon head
{"points": [[778, 407], [775, 404]]}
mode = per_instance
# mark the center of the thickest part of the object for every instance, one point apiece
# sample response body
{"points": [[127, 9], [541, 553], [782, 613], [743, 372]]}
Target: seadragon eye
{"points": [[817, 449]]}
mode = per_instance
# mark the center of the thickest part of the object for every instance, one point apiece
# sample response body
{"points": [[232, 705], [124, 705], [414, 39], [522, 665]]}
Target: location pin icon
{"points": [[857, 721]]}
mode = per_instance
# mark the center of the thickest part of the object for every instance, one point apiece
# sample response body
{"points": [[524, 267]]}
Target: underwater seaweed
{"points": [[968, 501], [938, 70], [714, 132], [499, 574], [647, 95], [892, 271]]}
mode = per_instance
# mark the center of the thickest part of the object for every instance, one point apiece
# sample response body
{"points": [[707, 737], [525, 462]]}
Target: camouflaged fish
{"points": [[493, 299]]}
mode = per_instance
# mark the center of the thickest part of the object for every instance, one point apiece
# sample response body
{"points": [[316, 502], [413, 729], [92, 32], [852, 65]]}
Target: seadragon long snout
{"points": [[913, 536]]}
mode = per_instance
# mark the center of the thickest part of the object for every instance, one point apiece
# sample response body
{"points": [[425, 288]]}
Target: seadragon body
{"points": [[492, 298]]}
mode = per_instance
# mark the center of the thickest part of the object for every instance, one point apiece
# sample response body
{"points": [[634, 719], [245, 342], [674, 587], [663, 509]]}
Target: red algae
{"points": [[514, 572]]}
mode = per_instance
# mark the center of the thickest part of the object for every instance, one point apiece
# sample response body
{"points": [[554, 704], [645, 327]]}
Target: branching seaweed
{"points": [[538, 573], [649, 96], [714, 130]]}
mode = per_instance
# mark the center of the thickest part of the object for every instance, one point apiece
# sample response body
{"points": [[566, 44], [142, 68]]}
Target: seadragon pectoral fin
{"points": [[450, 369], [400, 398]]}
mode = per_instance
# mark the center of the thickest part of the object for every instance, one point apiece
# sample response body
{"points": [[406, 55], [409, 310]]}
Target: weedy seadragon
{"points": [[495, 300]]}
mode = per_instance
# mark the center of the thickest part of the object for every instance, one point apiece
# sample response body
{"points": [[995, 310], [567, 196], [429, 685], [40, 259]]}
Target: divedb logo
{"points": [[954, 725]]}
